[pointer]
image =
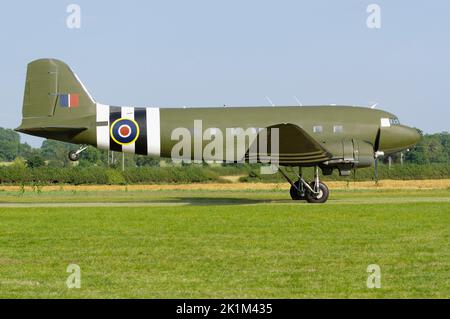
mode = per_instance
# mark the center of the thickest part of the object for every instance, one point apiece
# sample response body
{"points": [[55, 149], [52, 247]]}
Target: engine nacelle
{"points": [[355, 154]]}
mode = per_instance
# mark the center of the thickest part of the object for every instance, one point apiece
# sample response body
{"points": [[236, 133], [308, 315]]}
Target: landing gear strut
{"points": [[74, 156], [297, 191], [314, 192]]}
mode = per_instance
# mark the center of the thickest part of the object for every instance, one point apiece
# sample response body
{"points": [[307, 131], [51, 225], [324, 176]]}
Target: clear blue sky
{"points": [[210, 53]]}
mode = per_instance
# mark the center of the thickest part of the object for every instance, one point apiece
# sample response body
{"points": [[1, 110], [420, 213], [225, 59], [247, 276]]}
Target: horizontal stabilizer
{"points": [[53, 132]]}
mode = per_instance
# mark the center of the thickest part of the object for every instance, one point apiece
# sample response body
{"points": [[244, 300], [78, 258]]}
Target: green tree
{"points": [[25, 150], [445, 141], [432, 148], [9, 141], [56, 151], [142, 161], [93, 156], [35, 161]]}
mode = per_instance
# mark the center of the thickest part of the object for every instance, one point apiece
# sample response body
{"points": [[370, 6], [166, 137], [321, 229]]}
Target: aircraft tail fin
{"points": [[54, 97]]}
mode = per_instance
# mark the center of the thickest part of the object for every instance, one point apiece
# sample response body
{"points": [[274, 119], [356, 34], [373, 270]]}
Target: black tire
{"points": [[73, 156], [295, 194], [322, 197]]}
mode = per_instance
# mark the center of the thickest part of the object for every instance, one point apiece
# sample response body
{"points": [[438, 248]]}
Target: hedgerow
{"points": [[18, 174]]}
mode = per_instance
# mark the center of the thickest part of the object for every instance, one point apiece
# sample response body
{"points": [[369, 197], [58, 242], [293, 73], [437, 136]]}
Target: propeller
{"points": [[376, 155]]}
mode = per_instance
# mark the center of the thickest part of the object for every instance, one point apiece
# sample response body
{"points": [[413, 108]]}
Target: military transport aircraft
{"points": [[58, 106]]}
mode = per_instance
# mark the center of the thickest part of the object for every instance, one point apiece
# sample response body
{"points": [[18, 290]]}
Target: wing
{"points": [[296, 147]]}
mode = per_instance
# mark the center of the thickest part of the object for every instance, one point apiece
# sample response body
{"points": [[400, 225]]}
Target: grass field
{"points": [[224, 243]]}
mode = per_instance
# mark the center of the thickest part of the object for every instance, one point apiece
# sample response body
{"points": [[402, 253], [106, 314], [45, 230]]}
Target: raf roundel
{"points": [[125, 131]]}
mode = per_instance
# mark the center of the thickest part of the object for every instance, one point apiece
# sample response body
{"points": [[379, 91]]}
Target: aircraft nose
{"points": [[397, 138], [411, 136]]}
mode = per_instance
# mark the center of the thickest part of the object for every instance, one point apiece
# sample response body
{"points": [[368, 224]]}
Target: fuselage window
{"points": [[317, 129], [338, 129]]}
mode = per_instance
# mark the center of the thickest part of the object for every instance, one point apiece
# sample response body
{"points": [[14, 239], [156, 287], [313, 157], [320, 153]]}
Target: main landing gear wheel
{"points": [[296, 192], [320, 195], [74, 156], [314, 192]]}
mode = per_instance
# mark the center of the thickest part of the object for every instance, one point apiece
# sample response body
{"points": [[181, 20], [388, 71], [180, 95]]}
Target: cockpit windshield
{"points": [[394, 121]]}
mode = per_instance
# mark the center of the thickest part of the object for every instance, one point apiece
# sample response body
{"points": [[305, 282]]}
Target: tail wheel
{"points": [[320, 197], [74, 156], [295, 193]]}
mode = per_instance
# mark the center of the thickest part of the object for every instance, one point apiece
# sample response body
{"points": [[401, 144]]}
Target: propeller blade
{"points": [[376, 170], [377, 154]]}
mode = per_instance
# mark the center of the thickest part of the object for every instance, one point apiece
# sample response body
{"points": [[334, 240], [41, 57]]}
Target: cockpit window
{"points": [[394, 121]]}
